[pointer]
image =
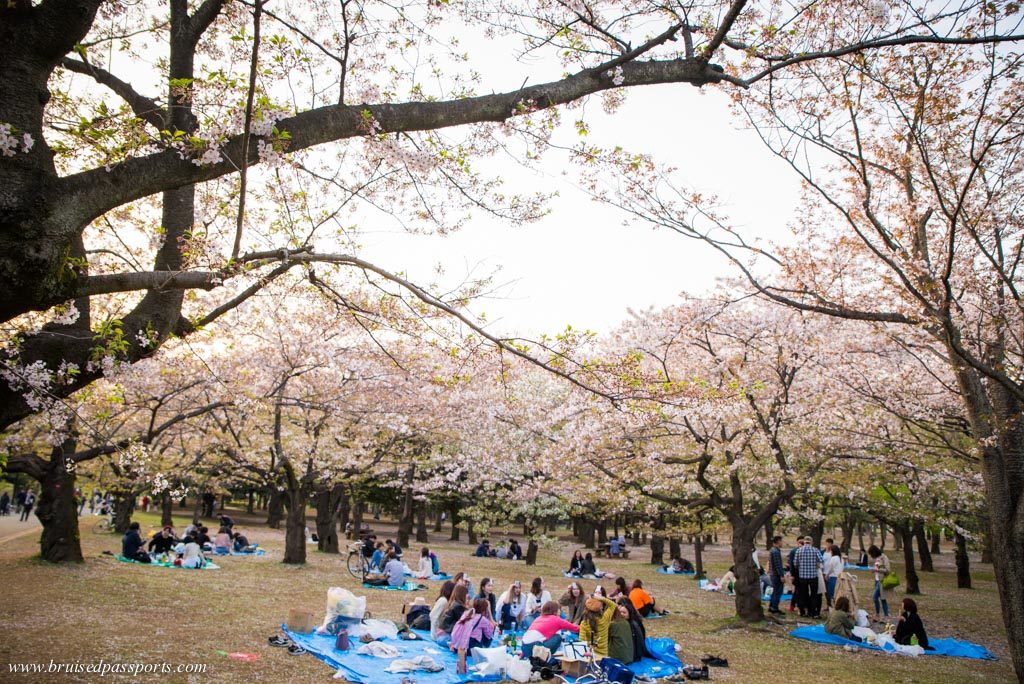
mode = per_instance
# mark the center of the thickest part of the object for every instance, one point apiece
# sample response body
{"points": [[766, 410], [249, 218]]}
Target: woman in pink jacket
{"points": [[544, 631]]}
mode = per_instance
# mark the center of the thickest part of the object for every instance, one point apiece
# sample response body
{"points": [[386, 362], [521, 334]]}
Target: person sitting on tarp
{"points": [[840, 620], [544, 631], [394, 570], [222, 542], [240, 543], [131, 545], [680, 565], [163, 541], [515, 552], [483, 550], [909, 626], [192, 553], [377, 557]]}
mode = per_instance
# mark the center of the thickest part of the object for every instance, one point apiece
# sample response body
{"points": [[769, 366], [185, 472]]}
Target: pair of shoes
{"points": [[774, 611], [366, 638], [278, 641], [295, 649], [695, 673], [715, 661]]}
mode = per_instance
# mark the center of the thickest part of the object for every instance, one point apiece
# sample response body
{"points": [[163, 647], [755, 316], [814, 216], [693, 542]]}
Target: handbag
{"points": [[890, 581]]}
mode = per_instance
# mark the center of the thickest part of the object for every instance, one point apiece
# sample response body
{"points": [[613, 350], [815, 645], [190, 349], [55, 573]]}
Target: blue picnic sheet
{"points": [[667, 571], [364, 669], [408, 586], [208, 565], [851, 566], [257, 552], [438, 577], [785, 597], [944, 647]]}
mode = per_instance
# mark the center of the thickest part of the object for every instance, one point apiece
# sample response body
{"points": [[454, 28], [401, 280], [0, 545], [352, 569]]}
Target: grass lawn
{"points": [[116, 612]]}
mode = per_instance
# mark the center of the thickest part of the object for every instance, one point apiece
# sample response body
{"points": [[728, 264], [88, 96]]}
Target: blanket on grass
{"points": [[257, 552], [668, 571], [208, 565], [851, 566], [364, 669], [944, 647], [408, 586], [439, 577], [785, 597]]}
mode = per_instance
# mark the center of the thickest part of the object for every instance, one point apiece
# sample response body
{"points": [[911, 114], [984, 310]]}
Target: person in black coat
{"points": [[909, 625], [162, 542], [636, 626], [132, 545]]}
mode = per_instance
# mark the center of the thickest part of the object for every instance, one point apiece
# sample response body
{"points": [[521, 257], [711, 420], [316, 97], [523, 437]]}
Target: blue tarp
{"points": [[208, 565], [851, 566], [944, 647], [363, 669], [438, 577], [408, 586], [785, 597], [666, 571]]}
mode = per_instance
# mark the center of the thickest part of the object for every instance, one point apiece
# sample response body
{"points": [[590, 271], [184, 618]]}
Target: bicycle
{"points": [[104, 525], [358, 565]]}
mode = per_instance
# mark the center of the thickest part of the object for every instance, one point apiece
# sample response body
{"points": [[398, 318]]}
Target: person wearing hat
{"points": [[598, 613], [808, 564]]}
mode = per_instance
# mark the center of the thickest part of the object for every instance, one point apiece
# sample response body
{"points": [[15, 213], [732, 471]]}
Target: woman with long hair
{"points": [[457, 605], [642, 601], [511, 606], [426, 566], [487, 592], [576, 563], [572, 600], [474, 628], [881, 595], [535, 600], [598, 613], [620, 588], [440, 608], [636, 626]]}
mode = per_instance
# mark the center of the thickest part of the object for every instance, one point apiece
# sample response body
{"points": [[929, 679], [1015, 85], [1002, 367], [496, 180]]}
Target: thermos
{"points": [[342, 643]]}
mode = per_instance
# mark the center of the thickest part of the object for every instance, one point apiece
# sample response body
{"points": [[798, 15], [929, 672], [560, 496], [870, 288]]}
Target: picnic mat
{"points": [[207, 566], [408, 586], [851, 566], [944, 647], [785, 597], [438, 577], [666, 571], [364, 669]]}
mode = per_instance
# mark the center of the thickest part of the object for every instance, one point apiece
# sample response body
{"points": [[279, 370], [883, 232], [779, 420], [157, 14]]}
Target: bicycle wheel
{"points": [[102, 526], [356, 564]]}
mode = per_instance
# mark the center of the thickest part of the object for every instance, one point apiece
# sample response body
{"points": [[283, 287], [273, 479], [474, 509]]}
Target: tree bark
{"points": [[438, 520], [963, 561], [748, 587], [588, 534], [326, 528], [357, 518], [658, 542], [124, 506], [166, 512], [295, 526], [674, 548], [455, 523], [250, 502], [769, 532], [698, 555], [56, 509], [936, 550], [275, 508], [422, 535], [405, 520], [602, 532], [905, 534], [922, 548], [531, 546]]}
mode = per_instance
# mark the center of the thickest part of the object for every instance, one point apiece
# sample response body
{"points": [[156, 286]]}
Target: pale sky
{"points": [[580, 266]]}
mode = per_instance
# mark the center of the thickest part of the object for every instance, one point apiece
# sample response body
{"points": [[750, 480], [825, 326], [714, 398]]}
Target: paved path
{"points": [[12, 528]]}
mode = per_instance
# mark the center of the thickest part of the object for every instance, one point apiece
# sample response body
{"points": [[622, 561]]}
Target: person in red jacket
{"points": [[544, 631]]}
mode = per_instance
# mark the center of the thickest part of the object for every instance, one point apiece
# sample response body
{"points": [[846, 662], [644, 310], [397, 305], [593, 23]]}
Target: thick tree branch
{"points": [[144, 107]]}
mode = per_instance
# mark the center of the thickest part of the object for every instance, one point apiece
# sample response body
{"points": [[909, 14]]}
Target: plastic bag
{"points": [[377, 629], [489, 661], [663, 649], [518, 670], [344, 602], [862, 618]]}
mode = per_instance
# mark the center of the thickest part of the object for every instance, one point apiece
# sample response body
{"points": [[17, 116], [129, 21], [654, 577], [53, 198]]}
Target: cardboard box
{"points": [[300, 621], [573, 668]]}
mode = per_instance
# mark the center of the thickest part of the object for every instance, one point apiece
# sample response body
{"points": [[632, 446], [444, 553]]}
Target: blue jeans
{"points": [[552, 644], [830, 589], [877, 596], [776, 593]]}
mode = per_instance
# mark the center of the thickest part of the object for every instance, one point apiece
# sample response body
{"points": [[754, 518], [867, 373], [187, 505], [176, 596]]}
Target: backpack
{"points": [[416, 612], [616, 671]]}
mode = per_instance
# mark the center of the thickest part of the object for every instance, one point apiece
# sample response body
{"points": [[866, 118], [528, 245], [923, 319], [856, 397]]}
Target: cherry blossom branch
{"points": [[146, 108]]}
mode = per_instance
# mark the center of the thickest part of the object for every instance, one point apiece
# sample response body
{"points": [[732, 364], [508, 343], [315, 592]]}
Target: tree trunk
{"points": [[438, 520], [906, 536], [406, 518], [602, 532], [124, 506], [357, 518], [860, 535], [658, 542], [588, 534], [674, 548], [748, 587], [344, 511], [275, 509], [531, 546], [250, 502], [56, 509], [846, 525], [922, 548], [166, 513], [455, 523], [936, 550], [986, 548], [769, 532], [295, 526], [698, 555], [422, 536], [197, 512], [963, 561], [326, 529], [471, 536]]}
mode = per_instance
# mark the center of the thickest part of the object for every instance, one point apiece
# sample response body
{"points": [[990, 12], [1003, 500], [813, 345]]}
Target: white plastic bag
{"points": [[518, 670], [862, 618], [377, 629], [489, 661], [343, 602]]}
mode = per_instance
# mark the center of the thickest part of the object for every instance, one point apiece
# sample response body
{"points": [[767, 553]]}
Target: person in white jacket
{"points": [[535, 600], [832, 570], [426, 566], [511, 606]]}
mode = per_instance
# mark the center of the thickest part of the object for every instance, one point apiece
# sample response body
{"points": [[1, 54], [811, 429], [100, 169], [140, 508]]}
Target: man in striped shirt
{"points": [[808, 562]]}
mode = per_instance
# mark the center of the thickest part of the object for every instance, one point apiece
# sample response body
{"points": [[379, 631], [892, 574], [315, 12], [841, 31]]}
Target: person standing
{"points": [[808, 563], [30, 501], [794, 603], [776, 572], [5, 503], [881, 568], [833, 569]]}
